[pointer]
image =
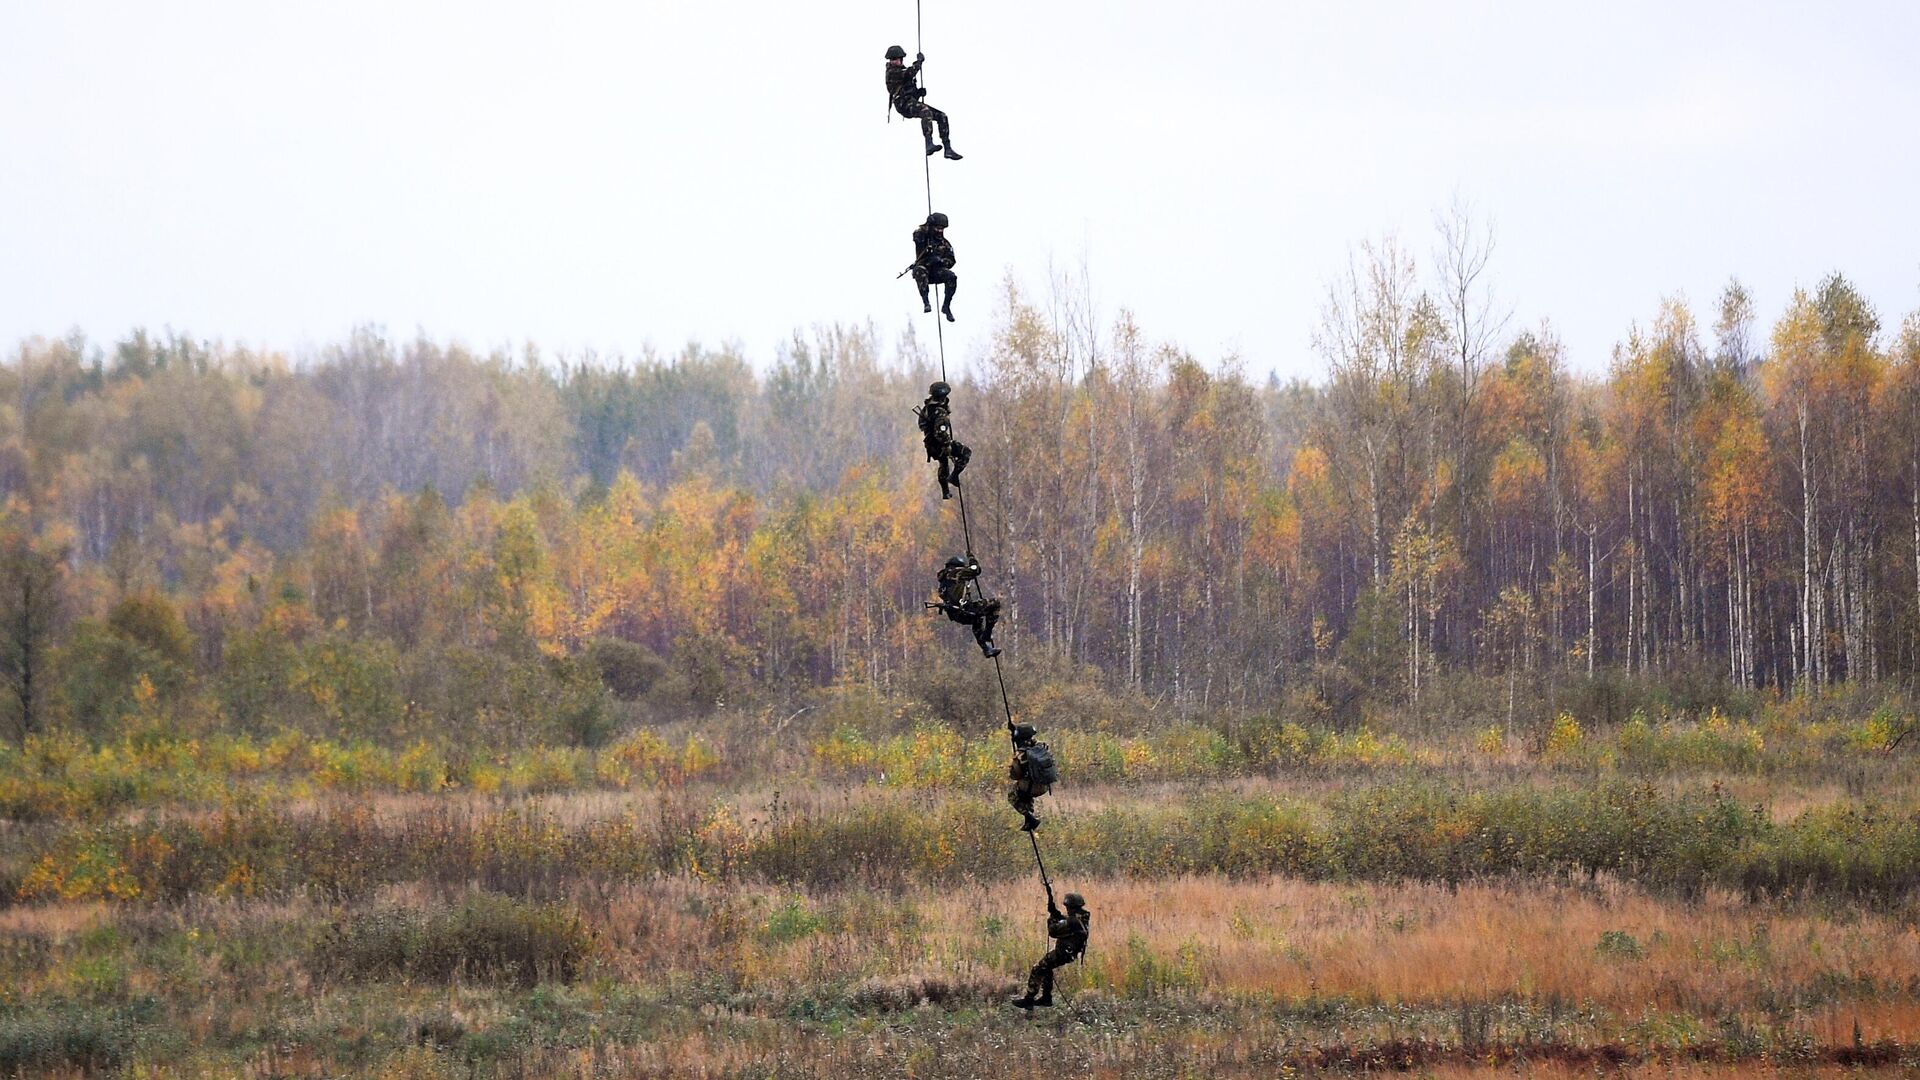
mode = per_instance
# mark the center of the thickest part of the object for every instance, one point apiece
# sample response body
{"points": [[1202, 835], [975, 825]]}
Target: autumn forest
{"points": [[1729, 501]]}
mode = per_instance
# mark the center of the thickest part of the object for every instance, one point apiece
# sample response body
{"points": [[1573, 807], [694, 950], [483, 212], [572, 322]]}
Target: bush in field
{"points": [[629, 669], [143, 644], [1564, 737], [706, 672], [486, 938], [72, 1038], [1714, 743], [483, 700], [330, 685], [103, 676]]}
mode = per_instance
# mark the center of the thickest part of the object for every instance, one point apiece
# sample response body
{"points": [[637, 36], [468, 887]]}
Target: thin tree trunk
{"points": [[1593, 586]]}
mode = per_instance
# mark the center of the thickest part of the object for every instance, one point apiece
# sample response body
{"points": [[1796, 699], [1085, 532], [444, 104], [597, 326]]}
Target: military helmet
{"points": [[895, 52], [1024, 734], [939, 389], [956, 562], [1075, 902], [937, 219]]}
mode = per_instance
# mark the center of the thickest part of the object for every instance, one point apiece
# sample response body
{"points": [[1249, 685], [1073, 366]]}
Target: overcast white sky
{"points": [[614, 175]]}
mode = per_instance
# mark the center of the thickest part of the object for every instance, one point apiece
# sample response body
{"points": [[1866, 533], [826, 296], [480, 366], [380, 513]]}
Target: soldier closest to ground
{"points": [[1069, 933], [933, 261], [979, 614], [936, 429], [909, 100]]}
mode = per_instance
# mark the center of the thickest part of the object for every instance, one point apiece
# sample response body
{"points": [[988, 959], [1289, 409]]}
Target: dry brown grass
{"points": [[1256, 966], [1292, 942]]}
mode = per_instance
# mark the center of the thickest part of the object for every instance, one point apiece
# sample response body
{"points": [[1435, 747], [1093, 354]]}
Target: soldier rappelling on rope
{"points": [[978, 613], [1033, 773], [1069, 931], [908, 98], [933, 261], [936, 431]]}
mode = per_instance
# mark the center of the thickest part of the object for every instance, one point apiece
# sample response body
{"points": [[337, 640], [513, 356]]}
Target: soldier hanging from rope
{"points": [[909, 100], [933, 261], [1069, 932], [1033, 773], [936, 430], [980, 614]]}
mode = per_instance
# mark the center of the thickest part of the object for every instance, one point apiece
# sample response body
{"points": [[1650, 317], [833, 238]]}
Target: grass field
{"points": [[1680, 896]]}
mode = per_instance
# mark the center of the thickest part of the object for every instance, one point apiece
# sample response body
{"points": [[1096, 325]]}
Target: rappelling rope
{"points": [[926, 172], [966, 526]]}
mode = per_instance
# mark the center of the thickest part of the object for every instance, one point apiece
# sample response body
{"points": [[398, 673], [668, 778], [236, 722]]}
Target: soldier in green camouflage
{"points": [[981, 614], [1069, 932], [933, 260], [1032, 771], [909, 100], [936, 431]]}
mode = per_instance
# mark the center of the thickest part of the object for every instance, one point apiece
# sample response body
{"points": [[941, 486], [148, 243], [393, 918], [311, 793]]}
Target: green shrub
{"points": [[629, 669], [1619, 945], [487, 938], [791, 921], [70, 1037]]}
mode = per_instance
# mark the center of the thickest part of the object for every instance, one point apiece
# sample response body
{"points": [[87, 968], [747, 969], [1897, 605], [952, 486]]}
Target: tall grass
{"points": [[1415, 830]]}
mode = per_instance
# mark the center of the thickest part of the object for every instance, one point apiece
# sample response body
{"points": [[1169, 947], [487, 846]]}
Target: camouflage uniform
{"points": [[1069, 931], [933, 261], [979, 614], [1029, 783], [936, 429], [909, 100]]}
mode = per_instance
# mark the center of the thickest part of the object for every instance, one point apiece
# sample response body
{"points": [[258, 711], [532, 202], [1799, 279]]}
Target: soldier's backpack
{"points": [[1041, 771]]}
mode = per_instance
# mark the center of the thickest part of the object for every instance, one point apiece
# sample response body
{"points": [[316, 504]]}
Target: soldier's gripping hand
{"points": [[919, 58]]}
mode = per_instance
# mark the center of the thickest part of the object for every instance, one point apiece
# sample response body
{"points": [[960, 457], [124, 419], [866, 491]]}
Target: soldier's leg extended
{"points": [[946, 133], [1040, 982], [926, 129]]}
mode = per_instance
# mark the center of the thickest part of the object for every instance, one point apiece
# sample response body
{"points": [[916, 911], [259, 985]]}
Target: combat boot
{"points": [[951, 155], [1026, 1003], [1045, 1002], [1030, 824], [934, 148], [947, 310]]}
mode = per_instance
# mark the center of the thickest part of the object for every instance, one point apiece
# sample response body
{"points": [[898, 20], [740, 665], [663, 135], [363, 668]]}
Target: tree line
{"points": [[392, 536]]}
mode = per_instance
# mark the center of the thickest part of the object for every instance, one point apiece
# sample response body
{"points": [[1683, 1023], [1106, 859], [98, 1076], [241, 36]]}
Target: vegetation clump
{"points": [[485, 938]]}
